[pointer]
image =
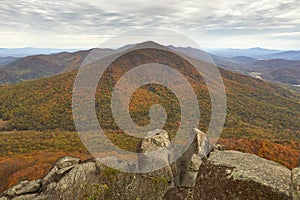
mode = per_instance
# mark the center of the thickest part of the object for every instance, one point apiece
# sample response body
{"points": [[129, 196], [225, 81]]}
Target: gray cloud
{"points": [[258, 20]]}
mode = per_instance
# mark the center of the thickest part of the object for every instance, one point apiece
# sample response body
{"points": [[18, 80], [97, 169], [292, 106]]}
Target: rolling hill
{"points": [[41, 66]]}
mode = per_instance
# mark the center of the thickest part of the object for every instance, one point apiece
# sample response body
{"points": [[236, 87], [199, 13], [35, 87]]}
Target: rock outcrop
{"points": [[72, 179], [236, 175], [187, 166], [184, 171], [198, 174], [157, 140]]}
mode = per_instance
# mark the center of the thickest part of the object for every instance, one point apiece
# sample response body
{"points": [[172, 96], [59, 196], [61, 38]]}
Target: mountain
{"points": [[244, 60], [41, 66], [256, 53], [5, 60], [256, 110], [198, 54], [275, 70], [278, 70], [192, 52], [28, 51], [287, 55]]}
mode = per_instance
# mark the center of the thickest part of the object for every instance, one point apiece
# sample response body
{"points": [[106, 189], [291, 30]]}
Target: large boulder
{"points": [[236, 175], [295, 184], [184, 170], [61, 167], [202, 143], [67, 161], [157, 140], [188, 164], [71, 183]]}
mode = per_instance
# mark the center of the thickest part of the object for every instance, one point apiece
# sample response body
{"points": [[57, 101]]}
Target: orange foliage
{"points": [[30, 166], [284, 152]]}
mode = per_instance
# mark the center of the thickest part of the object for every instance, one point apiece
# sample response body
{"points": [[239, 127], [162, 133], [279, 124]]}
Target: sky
{"points": [[273, 24]]}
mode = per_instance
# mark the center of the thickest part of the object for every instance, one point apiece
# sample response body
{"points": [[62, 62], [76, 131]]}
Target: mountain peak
{"points": [[150, 44], [257, 48]]}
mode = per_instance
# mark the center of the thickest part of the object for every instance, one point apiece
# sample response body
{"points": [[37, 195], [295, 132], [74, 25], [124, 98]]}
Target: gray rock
{"points": [[181, 166], [203, 146], [78, 176], [26, 197], [50, 186], [23, 187], [236, 175], [42, 196], [155, 151], [62, 171], [51, 176], [69, 185], [295, 184], [4, 198], [195, 163], [188, 165], [189, 180], [157, 139], [190, 173], [66, 162], [184, 170], [62, 166], [219, 147]]}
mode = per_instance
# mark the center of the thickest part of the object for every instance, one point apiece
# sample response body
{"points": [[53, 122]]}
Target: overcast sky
{"points": [[212, 23]]}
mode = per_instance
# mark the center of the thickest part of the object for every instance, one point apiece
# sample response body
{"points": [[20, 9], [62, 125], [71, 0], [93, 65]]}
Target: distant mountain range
{"points": [[278, 70], [252, 52], [280, 67], [257, 53], [288, 55], [28, 51]]}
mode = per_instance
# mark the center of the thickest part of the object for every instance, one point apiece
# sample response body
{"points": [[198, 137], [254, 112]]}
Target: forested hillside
{"points": [[261, 118]]}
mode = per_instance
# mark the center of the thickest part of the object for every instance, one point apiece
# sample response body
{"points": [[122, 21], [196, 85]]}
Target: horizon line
{"points": [[205, 48]]}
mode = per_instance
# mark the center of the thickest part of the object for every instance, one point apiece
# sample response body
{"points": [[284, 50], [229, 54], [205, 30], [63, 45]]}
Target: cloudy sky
{"points": [[212, 24]]}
